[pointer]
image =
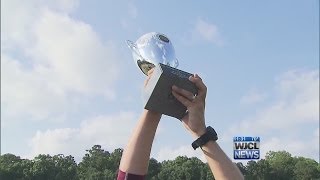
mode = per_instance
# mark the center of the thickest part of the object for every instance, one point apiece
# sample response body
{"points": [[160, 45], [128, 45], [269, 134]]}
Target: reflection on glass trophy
{"points": [[155, 50]]}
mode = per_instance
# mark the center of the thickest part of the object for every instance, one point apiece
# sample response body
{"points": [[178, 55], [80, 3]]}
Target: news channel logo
{"points": [[246, 147]]}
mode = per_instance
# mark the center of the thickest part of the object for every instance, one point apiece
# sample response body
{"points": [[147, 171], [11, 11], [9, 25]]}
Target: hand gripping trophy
{"points": [[155, 50]]}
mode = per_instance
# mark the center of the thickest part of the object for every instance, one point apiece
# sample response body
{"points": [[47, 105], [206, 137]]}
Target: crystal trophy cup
{"points": [[155, 50]]}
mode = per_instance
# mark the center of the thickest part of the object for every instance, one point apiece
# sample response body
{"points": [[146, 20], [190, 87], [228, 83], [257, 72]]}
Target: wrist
{"points": [[209, 135], [152, 113], [152, 116], [199, 132]]}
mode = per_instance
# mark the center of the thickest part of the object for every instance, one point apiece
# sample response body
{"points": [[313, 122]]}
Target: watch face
{"points": [[211, 130], [208, 136], [212, 133]]}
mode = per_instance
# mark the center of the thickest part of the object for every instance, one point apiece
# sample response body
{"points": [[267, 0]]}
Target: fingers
{"points": [[183, 92], [146, 81], [148, 76], [150, 72], [200, 85], [186, 97], [185, 101]]}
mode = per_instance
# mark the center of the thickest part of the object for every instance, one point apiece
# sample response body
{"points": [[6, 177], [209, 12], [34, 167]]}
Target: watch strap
{"points": [[209, 135]]}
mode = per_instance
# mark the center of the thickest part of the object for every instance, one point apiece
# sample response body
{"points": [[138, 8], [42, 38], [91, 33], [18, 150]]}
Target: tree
{"points": [[184, 168], [306, 168], [10, 167], [281, 163], [99, 164], [43, 167], [242, 168], [66, 167], [259, 170], [115, 158], [53, 167], [154, 169]]}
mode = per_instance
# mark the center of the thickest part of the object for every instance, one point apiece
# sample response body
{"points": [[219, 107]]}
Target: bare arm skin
{"points": [[221, 166], [135, 157]]}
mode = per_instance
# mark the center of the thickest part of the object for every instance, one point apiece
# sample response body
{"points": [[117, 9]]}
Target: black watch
{"points": [[210, 135]]}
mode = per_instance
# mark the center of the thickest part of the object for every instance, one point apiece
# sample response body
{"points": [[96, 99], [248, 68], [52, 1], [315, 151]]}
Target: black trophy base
{"points": [[158, 92]]}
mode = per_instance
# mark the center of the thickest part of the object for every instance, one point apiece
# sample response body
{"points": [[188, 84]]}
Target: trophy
{"points": [[155, 50]]}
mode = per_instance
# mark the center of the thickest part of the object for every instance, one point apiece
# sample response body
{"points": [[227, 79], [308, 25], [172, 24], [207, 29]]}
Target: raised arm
{"points": [[221, 166], [135, 158]]}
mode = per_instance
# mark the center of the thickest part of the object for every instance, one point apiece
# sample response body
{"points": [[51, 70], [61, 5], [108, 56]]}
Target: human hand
{"points": [[194, 121]]}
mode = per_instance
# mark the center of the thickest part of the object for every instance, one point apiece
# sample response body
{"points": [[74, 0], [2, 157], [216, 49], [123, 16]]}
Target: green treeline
{"points": [[100, 164]]}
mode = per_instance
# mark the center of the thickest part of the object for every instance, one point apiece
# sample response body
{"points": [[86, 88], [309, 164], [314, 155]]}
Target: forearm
{"points": [[136, 155], [221, 166]]}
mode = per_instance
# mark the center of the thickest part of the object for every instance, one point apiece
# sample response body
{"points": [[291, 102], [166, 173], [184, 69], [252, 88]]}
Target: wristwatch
{"points": [[210, 135]]}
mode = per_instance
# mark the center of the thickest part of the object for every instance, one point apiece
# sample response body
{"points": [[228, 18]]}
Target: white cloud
{"points": [[208, 32], [73, 55], [296, 104], [111, 131], [18, 18], [47, 57], [252, 97], [170, 153], [62, 5], [297, 147], [26, 93]]}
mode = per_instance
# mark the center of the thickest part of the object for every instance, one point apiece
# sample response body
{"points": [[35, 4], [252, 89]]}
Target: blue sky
{"points": [[69, 82]]}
